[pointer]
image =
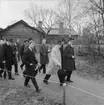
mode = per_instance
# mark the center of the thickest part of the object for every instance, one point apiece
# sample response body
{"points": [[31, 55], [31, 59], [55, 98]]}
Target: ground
{"points": [[81, 92]]}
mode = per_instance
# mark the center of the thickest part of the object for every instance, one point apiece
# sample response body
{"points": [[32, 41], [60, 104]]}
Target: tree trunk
{"points": [[99, 51]]}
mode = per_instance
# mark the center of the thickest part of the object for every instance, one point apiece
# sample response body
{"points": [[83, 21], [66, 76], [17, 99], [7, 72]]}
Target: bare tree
{"points": [[47, 16], [64, 13], [100, 9]]}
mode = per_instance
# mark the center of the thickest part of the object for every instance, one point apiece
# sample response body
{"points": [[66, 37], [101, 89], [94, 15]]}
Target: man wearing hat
{"points": [[9, 58], [31, 63], [68, 58]]}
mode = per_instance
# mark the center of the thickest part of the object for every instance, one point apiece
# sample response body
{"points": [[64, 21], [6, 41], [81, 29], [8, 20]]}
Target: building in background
{"points": [[21, 30]]}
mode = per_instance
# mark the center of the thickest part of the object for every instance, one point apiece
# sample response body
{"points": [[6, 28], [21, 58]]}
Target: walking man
{"points": [[68, 59], [54, 62], [9, 58], [43, 56], [30, 62]]}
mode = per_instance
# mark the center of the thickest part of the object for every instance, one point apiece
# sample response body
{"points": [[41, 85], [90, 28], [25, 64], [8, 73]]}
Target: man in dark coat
{"points": [[18, 48], [15, 57], [2, 57], [68, 59], [9, 58], [22, 50], [43, 56], [30, 62]]}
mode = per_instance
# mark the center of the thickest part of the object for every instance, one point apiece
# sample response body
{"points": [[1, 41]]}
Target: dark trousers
{"points": [[2, 67], [9, 72], [68, 75], [33, 81], [43, 66], [47, 77], [61, 78], [16, 67]]}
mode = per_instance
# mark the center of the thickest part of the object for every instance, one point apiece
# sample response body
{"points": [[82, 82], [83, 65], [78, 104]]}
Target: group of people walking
{"points": [[60, 60], [8, 57]]}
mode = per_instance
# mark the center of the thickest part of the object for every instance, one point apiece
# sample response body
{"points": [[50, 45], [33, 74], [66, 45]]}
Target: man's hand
{"points": [[4, 61], [59, 66], [39, 64], [73, 56], [31, 64]]}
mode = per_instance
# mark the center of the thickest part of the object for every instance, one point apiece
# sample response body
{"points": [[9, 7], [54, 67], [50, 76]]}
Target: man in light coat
{"points": [[54, 62]]}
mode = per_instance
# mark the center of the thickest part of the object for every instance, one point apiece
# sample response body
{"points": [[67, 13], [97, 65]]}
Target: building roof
{"points": [[55, 31], [21, 22], [1, 29]]}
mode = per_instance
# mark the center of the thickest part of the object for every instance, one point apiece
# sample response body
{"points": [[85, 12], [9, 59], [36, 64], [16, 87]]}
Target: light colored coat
{"points": [[55, 60]]}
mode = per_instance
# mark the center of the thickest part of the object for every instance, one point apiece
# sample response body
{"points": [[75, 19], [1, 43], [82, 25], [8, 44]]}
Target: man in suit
{"points": [[30, 62], [22, 50], [43, 56], [18, 48], [15, 57], [68, 58], [9, 58]]}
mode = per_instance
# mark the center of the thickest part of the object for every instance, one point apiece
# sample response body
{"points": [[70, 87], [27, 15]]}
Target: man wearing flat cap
{"points": [[68, 58]]}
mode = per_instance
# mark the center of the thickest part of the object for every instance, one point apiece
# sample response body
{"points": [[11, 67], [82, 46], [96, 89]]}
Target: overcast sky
{"points": [[13, 10]]}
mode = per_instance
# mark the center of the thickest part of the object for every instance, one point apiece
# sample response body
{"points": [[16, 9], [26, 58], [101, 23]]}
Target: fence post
{"points": [[64, 94]]}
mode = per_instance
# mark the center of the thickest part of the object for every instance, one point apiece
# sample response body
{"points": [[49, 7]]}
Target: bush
{"points": [[87, 67]]}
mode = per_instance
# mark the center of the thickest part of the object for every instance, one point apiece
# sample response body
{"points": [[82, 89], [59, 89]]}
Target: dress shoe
{"points": [[38, 90], [16, 73], [27, 86], [45, 81], [61, 84], [11, 79], [70, 81]]}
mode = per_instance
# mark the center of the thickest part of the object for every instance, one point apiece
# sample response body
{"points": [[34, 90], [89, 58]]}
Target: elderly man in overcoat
{"points": [[68, 58], [43, 55]]}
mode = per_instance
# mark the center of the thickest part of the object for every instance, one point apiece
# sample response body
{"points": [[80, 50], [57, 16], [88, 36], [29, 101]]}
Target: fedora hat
{"points": [[70, 38]]}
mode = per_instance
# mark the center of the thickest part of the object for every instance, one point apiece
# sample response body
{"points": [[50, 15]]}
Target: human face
{"points": [[70, 42], [26, 43], [2, 41], [62, 42], [18, 40], [32, 45], [44, 41]]}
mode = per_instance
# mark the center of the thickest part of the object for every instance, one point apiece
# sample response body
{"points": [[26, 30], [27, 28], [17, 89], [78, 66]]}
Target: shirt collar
{"points": [[30, 48]]}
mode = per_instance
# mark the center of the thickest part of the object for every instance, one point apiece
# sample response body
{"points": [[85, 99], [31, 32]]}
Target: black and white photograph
{"points": [[51, 52]]}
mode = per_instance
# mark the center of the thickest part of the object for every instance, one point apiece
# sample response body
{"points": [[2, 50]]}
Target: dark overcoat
{"points": [[22, 50], [68, 61], [8, 56], [28, 58], [44, 54], [2, 56], [15, 49]]}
